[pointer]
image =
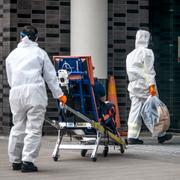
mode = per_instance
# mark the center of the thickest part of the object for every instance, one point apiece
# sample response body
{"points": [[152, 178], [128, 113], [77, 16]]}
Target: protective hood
{"points": [[26, 42], [142, 38]]}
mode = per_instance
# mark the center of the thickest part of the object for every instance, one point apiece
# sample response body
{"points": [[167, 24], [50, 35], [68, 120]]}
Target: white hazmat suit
{"points": [[141, 75], [28, 68]]}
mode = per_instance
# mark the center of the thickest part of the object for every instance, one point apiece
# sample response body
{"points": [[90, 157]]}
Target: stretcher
{"points": [[83, 117]]}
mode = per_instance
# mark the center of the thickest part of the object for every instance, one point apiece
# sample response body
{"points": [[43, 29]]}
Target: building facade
{"points": [[125, 17], [165, 28]]}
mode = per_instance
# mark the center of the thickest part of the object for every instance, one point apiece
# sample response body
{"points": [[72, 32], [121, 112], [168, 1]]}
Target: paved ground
{"points": [[150, 161]]}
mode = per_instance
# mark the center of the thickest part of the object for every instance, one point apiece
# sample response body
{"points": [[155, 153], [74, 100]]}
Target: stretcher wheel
{"points": [[122, 149], [55, 158], [105, 151], [83, 152]]}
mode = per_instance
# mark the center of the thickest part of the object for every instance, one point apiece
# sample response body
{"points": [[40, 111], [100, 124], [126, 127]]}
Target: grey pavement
{"points": [[150, 161]]}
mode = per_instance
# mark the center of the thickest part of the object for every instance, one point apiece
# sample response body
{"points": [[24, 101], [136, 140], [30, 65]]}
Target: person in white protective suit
{"points": [[141, 75], [28, 68]]}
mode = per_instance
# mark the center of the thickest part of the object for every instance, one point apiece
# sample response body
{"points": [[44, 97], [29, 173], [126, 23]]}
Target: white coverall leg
{"points": [[33, 123], [135, 119], [25, 136], [35, 120], [16, 138]]}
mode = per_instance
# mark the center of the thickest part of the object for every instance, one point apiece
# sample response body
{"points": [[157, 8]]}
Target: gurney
{"points": [[78, 79]]}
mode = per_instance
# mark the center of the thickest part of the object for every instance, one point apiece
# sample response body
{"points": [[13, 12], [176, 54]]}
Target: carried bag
{"points": [[155, 115]]}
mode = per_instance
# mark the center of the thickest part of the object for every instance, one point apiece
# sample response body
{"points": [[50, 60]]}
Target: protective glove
{"points": [[152, 90], [63, 99]]}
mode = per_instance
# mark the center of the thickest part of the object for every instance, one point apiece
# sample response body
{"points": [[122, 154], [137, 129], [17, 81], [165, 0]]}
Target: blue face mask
{"points": [[22, 34]]}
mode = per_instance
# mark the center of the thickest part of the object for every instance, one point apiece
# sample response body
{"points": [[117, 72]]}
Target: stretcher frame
{"points": [[103, 136]]}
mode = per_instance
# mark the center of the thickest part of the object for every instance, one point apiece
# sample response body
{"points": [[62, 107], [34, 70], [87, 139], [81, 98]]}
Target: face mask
{"points": [[35, 38]]}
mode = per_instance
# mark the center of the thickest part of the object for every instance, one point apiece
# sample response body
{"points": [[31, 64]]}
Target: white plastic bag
{"points": [[155, 115]]}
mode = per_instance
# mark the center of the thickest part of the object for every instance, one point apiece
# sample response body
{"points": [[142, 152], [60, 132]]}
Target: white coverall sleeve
{"points": [[8, 72], [149, 67], [49, 75]]}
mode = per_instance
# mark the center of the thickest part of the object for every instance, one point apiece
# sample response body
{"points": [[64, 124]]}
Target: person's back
{"points": [[99, 92], [26, 64]]}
